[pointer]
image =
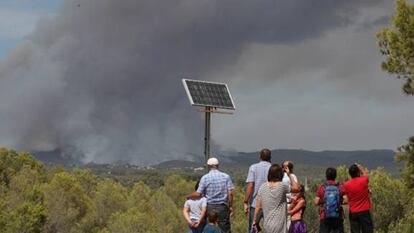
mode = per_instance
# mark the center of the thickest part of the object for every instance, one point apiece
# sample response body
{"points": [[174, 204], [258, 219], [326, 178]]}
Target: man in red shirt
{"points": [[356, 189], [330, 224]]}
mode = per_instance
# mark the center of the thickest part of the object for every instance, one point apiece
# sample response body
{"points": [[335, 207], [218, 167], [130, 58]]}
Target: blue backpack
{"points": [[332, 205]]}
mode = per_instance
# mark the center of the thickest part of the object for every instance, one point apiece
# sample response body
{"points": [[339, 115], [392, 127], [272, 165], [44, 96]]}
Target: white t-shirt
{"points": [[286, 180], [195, 207]]}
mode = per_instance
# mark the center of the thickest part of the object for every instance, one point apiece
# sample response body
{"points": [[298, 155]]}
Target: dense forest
{"points": [[39, 198]]}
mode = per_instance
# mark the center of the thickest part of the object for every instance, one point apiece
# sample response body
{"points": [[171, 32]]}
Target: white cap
{"points": [[212, 161]]}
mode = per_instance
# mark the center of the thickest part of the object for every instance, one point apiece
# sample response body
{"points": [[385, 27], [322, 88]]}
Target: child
{"points": [[296, 210], [212, 227], [194, 211]]}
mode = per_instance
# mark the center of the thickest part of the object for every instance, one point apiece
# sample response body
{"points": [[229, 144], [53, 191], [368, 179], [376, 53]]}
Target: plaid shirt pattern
{"points": [[215, 186]]}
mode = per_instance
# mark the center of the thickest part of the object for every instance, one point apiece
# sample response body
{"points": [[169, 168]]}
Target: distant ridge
{"points": [[370, 158], [55, 157]]}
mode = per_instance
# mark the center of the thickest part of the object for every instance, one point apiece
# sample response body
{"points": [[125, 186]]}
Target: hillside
{"points": [[370, 158]]}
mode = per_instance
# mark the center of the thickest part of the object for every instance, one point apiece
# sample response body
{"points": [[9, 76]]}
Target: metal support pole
{"points": [[207, 135]]}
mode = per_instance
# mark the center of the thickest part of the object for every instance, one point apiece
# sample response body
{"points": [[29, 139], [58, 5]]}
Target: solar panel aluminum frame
{"points": [[190, 98]]}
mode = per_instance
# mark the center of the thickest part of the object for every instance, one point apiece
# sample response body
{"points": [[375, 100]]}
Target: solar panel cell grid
{"points": [[209, 94]]}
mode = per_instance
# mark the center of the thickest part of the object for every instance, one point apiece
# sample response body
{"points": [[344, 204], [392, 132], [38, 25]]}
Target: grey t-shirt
{"points": [[195, 207]]}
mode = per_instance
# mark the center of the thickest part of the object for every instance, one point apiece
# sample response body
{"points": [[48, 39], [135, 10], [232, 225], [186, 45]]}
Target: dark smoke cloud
{"points": [[103, 76]]}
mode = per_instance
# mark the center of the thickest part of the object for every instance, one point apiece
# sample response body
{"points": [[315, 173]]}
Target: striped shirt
{"points": [[215, 185], [257, 174]]}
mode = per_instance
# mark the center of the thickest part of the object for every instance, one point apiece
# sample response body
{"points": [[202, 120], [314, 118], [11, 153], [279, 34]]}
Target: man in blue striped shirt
{"points": [[218, 188], [256, 177]]}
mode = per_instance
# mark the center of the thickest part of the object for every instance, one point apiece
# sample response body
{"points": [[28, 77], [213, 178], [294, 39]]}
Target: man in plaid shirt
{"points": [[218, 188]]}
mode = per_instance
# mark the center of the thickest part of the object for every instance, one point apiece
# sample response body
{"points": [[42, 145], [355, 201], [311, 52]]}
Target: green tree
{"points": [[177, 188], [27, 217], [389, 197], [396, 43], [87, 180], [110, 197], [405, 224], [66, 203], [342, 174], [167, 217], [406, 153], [139, 196], [131, 221]]}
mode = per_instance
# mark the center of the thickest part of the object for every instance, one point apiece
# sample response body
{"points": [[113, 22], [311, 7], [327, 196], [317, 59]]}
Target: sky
{"points": [[18, 18], [100, 79]]}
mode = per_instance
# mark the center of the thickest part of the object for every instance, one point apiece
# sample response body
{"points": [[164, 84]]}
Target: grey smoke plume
{"points": [[103, 76]]}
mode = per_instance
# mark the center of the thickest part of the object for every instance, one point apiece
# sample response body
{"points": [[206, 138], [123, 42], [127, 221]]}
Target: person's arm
{"points": [[186, 210], [362, 170], [230, 201], [230, 195], [248, 196], [202, 215], [297, 207], [256, 210], [194, 195], [345, 200], [198, 193], [319, 196], [295, 186], [316, 201]]}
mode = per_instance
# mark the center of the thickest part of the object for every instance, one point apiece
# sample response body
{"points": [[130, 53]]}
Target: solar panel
{"points": [[208, 94]]}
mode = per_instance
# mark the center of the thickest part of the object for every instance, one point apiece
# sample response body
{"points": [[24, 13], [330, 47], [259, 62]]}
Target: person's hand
{"points": [[255, 226], [195, 224], [246, 208], [231, 210], [287, 170], [362, 169], [189, 197]]}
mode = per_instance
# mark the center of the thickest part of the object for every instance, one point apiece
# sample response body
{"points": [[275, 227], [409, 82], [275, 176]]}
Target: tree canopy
{"points": [[396, 43]]}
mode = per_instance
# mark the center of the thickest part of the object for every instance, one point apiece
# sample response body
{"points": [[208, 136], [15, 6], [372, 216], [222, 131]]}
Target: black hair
{"points": [[330, 173], [196, 185], [354, 171], [265, 155], [275, 173], [212, 217], [302, 193]]}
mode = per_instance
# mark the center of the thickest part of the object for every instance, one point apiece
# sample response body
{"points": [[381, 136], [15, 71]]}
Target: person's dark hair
{"points": [[302, 190], [302, 194], [212, 217], [275, 173], [265, 155], [354, 171], [330, 173], [289, 165], [196, 185]]}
